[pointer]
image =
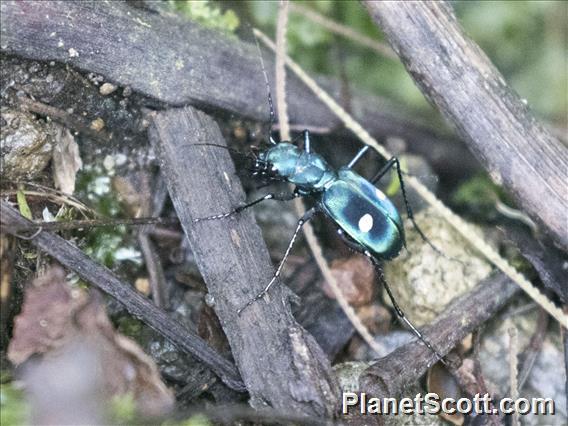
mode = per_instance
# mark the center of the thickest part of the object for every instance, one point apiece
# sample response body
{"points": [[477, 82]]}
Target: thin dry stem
{"points": [[514, 368], [298, 204], [54, 197], [342, 30]]}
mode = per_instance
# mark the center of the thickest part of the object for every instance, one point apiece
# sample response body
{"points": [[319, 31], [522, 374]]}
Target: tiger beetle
{"points": [[367, 221]]}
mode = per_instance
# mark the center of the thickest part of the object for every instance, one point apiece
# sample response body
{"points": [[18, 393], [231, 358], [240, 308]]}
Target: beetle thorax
{"points": [[309, 171]]}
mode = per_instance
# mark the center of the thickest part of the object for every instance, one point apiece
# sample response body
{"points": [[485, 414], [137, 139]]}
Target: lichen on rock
{"points": [[422, 280]]}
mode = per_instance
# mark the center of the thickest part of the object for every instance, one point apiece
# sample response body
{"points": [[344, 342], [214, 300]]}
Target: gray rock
{"points": [[423, 281], [26, 145]]}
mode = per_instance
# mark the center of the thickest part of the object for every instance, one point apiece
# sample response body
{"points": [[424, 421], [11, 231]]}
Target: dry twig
{"points": [[311, 239], [347, 32], [280, 363], [456, 76], [389, 375], [140, 307]]}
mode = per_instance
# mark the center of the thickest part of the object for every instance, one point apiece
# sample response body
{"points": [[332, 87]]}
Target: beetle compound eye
{"points": [[366, 223]]}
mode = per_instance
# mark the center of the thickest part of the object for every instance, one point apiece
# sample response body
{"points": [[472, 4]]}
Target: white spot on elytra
{"points": [[380, 194], [366, 223]]}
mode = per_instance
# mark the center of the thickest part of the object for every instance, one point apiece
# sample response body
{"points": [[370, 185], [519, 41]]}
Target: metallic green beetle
{"points": [[366, 219]]}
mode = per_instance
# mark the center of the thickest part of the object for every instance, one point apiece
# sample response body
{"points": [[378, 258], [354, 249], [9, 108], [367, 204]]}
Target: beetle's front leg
{"points": [[301, 222], [282, 196]]}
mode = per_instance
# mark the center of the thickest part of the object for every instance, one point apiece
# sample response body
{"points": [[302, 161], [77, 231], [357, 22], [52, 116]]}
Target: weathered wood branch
{"points": [[139, 306], [547, 260], [457, 77], [389, 375], [281, 364], [173, 62]]}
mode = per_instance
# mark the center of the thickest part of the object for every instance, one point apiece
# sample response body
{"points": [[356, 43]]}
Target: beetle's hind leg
{"points": [[394, 162], [282, 196], [301, 222], [400, 312], [355, 246], [404, 318]]}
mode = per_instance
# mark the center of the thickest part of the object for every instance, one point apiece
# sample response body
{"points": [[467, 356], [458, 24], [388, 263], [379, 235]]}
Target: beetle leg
{"points": [[384, 170], [283, 196], [394, 162], [403, 317], [358, 156], [400, 312], [306, 217], [353, 245], [378, 177], [307, 144]]}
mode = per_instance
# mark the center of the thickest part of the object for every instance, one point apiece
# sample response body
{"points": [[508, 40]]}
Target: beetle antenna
{"points": [[251, 156], [234, 151], [270, 103]]}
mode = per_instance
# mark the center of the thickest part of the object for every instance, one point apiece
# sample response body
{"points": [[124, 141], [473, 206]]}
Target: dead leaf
{"points": [[375, 317], [209, 328], [66, 160], [442, 383], [356, 278], [70, 379], [54, 316], [45, 319], [133, 190]]}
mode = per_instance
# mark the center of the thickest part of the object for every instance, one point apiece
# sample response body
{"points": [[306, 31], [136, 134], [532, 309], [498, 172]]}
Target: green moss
{"points": [[208, 15], [130, 327], [23, 205], [195, 420], [525, 40], [123, 409], [101, 243], [14, 409], [477, 196]]}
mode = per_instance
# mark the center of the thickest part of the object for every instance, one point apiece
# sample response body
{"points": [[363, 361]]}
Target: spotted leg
{"points": [[283, 196], [394, 162], [307, 216]]}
